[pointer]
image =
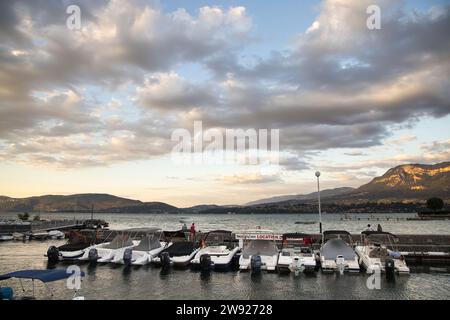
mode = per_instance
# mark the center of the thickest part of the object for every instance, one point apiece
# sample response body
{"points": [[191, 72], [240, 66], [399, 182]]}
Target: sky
{"points": [[93, 109]]}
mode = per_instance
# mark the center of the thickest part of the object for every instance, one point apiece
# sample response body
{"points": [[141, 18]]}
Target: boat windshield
{"points": [[260, 247]]}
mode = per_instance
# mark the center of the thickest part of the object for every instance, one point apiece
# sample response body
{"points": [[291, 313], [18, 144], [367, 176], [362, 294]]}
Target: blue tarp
{"points": [[43, 275]]}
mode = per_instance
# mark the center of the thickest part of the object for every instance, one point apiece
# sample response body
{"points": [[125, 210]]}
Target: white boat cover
{"points": [[334, 247], [260, 247], [119, 242], [148, 243]]}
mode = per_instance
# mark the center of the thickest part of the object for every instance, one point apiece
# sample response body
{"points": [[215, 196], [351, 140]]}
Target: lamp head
{"points": [[317, 174]]}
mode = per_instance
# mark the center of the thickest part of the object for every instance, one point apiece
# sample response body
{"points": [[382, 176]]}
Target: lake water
{"points": [[117, 282], [279, 223]]}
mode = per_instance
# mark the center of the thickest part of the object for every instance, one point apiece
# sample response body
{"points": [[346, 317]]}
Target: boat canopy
{"points": [[219, 236], [178, 249], [295, 235], [120, 241], [148, 243], [328, 232], [335, 247], [375, 233], [260, 248], [42, 275]]}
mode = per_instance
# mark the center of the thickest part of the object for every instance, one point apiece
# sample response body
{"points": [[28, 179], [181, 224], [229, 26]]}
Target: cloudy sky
{"points": [[93, 110]]}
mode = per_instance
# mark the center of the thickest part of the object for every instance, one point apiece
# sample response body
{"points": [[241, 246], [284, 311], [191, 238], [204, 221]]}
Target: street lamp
{"points": [[318, 196]]}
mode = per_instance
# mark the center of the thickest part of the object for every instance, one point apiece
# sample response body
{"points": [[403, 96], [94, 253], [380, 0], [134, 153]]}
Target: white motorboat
{"points": [[143, 253], [39, 235], [296, 254], [337, 254], [6, 237], [105, 252], [378, 252], [218, 251], [75, 246], [56, 235], [178, 255], [21, 236], [260, 251]]}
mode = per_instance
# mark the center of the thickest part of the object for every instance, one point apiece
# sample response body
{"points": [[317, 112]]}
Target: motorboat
{"points": [[259, 252], [21, 236], [105, 252], [143, 253], [178, 255], [75, 246], [378, 252], [56, 235], [297, 254], [337, 253], [176, 236], [6, 237], [39, 235], [218, 251], [45, 276]]}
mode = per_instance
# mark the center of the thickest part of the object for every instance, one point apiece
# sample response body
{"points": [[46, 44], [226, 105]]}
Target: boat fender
{"points": [[165, 260], [205, 262], [93, 255], [255, 264], [53, 254], [127, 256]]}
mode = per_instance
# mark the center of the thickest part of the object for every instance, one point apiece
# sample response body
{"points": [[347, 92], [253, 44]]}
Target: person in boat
{"points": [[192, 231], [379, 228], [369, 228]]}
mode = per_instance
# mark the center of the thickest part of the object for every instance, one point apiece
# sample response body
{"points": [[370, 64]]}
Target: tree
{"points": [[435, 204]]}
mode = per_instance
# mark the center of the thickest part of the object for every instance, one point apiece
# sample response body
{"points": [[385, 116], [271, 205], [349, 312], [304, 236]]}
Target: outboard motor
{"points": [[389, 266], [53, 254], [127, 256], [93, 255], [255, 264], [297, 266], [165, 260], [340, 262], [205, 263]]}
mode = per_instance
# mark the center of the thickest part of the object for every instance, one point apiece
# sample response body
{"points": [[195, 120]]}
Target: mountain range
{"points": [[409, 183]]}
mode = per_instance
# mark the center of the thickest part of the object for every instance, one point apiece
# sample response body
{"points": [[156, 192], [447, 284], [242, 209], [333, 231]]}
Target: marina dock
{"points": [[417, 248], [44, 225]]}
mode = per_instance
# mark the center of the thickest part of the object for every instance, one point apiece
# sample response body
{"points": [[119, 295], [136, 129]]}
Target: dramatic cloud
{"points": [[112, 91]]}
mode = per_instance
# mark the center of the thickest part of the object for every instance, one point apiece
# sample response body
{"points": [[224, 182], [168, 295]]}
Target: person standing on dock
{"points": [[192, 231]]}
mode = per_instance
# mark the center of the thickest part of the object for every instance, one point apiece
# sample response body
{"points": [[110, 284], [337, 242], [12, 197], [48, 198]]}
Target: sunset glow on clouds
{"points": [[92, 110]]}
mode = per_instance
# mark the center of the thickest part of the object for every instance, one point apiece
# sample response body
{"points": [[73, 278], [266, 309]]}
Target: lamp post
{"points": [[318, 196]]}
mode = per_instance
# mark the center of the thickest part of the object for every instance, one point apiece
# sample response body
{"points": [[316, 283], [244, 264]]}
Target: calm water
{"points": [[117, 282], [397, 223]]}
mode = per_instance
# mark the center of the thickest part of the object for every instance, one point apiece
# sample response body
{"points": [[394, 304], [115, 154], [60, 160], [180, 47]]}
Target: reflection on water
{"points": [[120, 282]]}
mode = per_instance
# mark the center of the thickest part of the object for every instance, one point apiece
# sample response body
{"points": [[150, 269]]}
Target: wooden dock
{"points": [[44, 225]]}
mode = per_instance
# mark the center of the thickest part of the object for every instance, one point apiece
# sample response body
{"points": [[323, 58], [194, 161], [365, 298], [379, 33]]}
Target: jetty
{"points": [[9, 227]]}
